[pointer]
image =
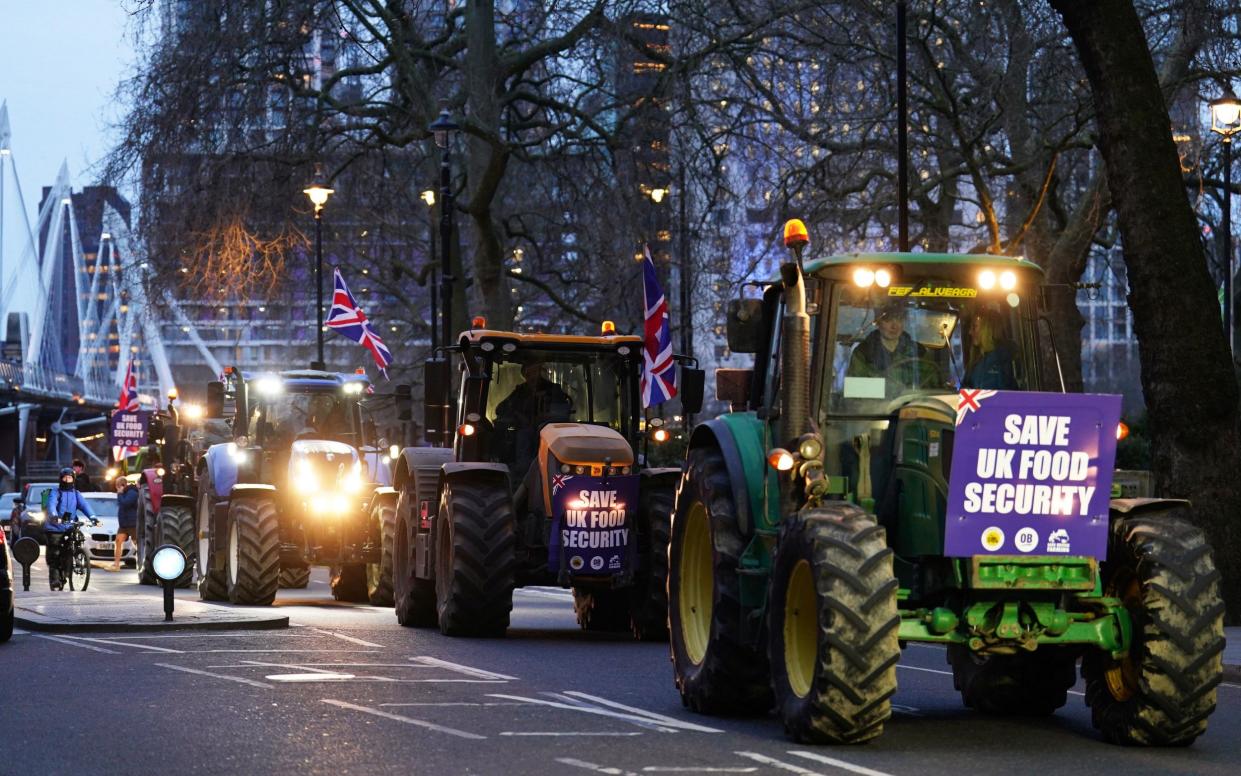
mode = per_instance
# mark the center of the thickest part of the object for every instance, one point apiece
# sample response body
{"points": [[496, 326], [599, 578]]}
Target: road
{"points": [[346, 690]]}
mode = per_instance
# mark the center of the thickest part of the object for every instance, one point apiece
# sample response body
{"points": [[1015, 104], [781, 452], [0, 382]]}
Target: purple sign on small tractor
{"points": [[591, 528], [1031, 474]]}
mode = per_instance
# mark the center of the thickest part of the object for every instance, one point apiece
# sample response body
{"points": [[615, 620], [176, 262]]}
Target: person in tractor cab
{"points": [[890, 352], [990, 364], [535, 401], [64, 500]]}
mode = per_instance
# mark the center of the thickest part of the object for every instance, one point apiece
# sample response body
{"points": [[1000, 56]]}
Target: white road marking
{"points": [[117, 642], [1221, 684], [20, 632], [232, 635], [407, 720], [457, 667], [565, 596], [912, 711], [238, 679], [842, 764], [672, 721], [350, 639], [927, 670], [779, 764], [694, 769], [635, 719], [939, 647], [200, 651], [453, 703], [568, 733], [76, 644], [592, 767], [322, 676]]}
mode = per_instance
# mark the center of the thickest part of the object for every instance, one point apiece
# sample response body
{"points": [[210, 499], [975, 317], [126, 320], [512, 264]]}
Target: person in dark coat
{"points": [[126, 516], [81, 480]]}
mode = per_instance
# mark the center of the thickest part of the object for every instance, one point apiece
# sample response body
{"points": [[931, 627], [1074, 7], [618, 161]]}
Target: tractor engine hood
{"points": [[580, 444], [942, 407]]}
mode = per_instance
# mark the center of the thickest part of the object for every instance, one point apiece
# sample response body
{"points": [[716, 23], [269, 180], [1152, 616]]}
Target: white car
{"points": [[101, 539]]}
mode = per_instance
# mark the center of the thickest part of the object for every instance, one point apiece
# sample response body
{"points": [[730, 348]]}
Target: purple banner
{"points": [[591, 524], [128, 429], [1031, 474]]}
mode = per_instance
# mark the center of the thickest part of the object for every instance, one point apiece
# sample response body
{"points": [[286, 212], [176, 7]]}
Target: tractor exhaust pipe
{"points": [[795, 355]]}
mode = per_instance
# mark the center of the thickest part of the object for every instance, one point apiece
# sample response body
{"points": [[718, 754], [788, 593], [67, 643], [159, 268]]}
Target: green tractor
{"points": [[818, 525]]}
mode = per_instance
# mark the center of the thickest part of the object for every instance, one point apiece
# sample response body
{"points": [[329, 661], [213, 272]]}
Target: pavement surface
{"points": [[345, 690]]}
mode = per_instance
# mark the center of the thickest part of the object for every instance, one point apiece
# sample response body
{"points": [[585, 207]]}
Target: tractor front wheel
{"points": [[253, 550], [212, 585], [648, 603], [295, 578], [833, 625], [379, 575], [475, 546], [414, 597], [1029, 683], [146, 537], [1162, 692], [717, 669]]}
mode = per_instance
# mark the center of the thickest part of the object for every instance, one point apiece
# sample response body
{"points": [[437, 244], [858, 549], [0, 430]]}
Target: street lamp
{"points": [[1226, 122], [442, 128], [428, 196], [318, 194]]}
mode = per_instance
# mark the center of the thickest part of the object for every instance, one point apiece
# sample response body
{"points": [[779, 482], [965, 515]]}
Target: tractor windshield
{"points": [[530, 387], [285, 417], [932, 337]]}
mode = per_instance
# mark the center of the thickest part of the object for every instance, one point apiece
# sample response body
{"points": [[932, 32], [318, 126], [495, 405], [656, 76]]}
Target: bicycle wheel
{"points": [[79, 577]]}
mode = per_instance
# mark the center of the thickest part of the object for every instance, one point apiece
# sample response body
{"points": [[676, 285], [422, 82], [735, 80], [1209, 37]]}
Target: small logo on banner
{"points": [[992, 539], [1026, 539], [576, 563], [615, 562], [596, 562], [1058, 541]]}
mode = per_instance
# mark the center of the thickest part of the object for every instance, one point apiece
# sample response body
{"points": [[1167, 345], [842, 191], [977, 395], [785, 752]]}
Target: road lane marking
{"points": [[1233, 686], [477, 673], [238, 679], [407, 720], [780, 764], [949, 673], [203, 651], [912, 711], [592, 767], [571, 733], [673, 721], [119, 643], [76, 644], [350, 639], [939, 647], [453, 703], [322, 676], [696, 769], [641, 719], [842, 764]]}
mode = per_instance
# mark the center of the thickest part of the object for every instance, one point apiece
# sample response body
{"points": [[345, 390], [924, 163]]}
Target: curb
{"points": [[45, 626]]}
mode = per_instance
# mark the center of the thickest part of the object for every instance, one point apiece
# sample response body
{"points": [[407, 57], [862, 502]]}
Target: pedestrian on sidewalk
{"points": [[127, 496], [15, 519], [81, 478]]}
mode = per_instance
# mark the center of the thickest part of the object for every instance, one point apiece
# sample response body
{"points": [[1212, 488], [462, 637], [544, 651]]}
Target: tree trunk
{"points": [[1187, 378]]}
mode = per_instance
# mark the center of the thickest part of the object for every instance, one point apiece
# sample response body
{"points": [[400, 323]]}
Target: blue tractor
{"points": [[294, 488]]}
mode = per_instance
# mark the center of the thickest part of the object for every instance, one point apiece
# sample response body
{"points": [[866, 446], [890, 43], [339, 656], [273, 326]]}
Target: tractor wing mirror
{"points": [[733, 386], [403, 397], [745, 325], [215, 399], [436, 382], [692, 382]]}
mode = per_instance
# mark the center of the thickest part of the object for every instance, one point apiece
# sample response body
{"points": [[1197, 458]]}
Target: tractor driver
{"points": [[890, 352], [535, 401]]}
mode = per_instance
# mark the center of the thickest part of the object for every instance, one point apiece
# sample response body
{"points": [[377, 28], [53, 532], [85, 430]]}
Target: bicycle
{"points": [[73, 564]]}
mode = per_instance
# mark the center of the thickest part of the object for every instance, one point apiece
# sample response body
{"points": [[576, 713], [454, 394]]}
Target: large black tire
{"points": [[212, 585], [253, 550], [294, 578], [175, 525], [648, 604], [414, 598], [147, 538], [475, 544], [833, 626], [601, 610], [379, 575], [1161, 694], [349, 583], [1028, 683], [717, 670]]}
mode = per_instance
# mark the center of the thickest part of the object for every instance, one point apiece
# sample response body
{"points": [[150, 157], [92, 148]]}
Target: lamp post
{"points": [[318, 194], [1226, 122], [428, 197], [442, 128]]}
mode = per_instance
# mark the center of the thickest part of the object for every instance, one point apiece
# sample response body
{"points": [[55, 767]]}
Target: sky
{"points": [[60, 63]]}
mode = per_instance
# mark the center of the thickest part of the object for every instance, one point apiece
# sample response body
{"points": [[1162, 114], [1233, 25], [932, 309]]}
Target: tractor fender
{"points": [[668, 475], [418, 459], [458, 471], [383, 496], [1131, 506], [177, 500], [716, 433], [222, 468], [249, 489], [155, 486]]}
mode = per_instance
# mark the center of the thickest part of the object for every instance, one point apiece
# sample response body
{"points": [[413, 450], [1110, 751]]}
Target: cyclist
{"points": [[65, 501]]}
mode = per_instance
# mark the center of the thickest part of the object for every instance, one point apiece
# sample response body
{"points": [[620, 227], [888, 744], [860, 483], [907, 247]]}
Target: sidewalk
{"points": [[114, 602]]}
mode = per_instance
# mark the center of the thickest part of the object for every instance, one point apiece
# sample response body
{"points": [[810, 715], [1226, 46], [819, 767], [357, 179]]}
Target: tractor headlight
{"points": [[268, 386], [394, 451], [352, 481], [1008, 280], [305, 479], [353, 388], [237, 453], [810, 447], [986, 280]]}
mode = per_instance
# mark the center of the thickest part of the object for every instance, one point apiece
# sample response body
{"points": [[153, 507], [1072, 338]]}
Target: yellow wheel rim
{"points": [[697, 589], [801, 629], [1122, 675]]}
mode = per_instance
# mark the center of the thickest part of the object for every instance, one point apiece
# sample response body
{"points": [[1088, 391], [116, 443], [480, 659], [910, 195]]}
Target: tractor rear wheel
{"points": [[413, 597], [175, 524], [648, 605], [212, 585], [295, 578], [833, 625], [1030, 683], [349, 583], [717, 670], [379, 575], [146, 537], [1162, 692], [601, 610], [474, 559], [253, 550]]}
